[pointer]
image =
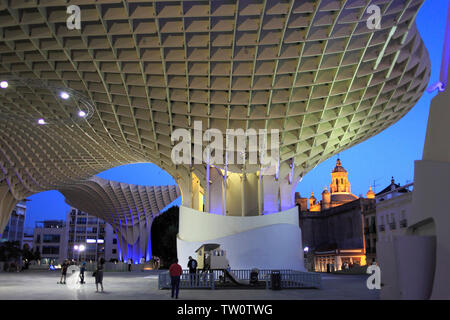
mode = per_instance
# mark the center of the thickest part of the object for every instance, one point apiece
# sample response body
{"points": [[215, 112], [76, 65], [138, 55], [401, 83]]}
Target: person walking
{"points": [[175, 272], [99, 273], [64, 268], [82, 270], [192, 265], [130, 262]]}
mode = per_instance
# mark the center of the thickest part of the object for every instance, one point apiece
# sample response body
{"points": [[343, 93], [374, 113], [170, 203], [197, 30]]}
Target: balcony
{"points": [[381, 228], [403, 223]]}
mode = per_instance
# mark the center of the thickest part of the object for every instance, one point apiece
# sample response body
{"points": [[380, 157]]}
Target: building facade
{"points": [[394, 205], [28, 240], [336, 229], [370, 226], [96, 236], [50, 240], [14, 230], [80, 237]]}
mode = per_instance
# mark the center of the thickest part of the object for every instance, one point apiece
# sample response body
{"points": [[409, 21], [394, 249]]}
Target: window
{"points": [[81, 221], [115, 241], [50, 250], [91, 230], [114, 251], [51, 238]]}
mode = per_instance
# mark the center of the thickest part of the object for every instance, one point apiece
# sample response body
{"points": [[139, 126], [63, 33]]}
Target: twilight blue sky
{"points": [[390, 153]]}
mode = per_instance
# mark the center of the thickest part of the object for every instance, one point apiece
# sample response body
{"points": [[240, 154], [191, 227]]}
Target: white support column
{"points": [[260, 193], [243, 195], [225, 184], [208, 171]]}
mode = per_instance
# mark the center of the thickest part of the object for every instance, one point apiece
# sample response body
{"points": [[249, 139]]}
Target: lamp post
{"points": [[80, 248]]}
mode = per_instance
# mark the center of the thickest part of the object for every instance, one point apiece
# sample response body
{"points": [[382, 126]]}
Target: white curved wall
{"points": [[265, 242], [198, 226]]}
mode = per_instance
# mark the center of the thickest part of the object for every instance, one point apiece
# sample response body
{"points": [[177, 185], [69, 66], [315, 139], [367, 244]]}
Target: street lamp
{"points": [[80, 248]]}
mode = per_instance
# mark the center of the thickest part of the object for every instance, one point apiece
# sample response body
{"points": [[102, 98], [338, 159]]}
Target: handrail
{"points": [[205, 280]]}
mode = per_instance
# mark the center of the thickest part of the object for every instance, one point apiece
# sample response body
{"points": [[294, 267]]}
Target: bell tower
{"points": [[339, 180]]}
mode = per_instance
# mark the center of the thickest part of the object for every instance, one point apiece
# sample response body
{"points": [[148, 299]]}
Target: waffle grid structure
{"points": [[312, 69]]}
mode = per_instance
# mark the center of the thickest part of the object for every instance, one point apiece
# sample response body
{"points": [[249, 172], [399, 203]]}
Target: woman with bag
{"points": [[99, 273]]}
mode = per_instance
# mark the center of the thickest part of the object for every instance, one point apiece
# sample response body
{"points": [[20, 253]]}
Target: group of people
{"points": [[176, 271], [98, 273], [154, 261]]}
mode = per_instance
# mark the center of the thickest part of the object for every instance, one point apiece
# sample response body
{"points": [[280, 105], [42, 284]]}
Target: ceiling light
{"points": [[4, 84], [41, 121], [64, 95], [82, 113]]}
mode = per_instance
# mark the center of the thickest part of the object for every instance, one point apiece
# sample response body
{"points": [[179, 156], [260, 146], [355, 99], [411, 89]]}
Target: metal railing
{"points": [[206, 280], [187, 281]]}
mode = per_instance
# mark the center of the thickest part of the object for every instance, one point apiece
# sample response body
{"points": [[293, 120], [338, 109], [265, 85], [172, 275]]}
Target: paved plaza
{"points": [[42, 285]]}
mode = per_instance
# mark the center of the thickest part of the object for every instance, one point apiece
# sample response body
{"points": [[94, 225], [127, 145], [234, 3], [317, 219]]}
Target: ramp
{"points": [[235, 279]]}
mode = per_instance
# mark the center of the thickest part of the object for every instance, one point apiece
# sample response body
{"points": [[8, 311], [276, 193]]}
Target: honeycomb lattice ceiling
{"points": [[311, 68]]}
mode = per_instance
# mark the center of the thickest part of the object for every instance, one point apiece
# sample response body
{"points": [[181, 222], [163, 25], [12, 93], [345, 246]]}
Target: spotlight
{"points": [[64, 95], [4, 84], [41, 121], [82, 113]]}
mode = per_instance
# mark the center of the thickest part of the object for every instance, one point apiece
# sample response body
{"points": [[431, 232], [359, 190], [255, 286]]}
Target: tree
{"points": [[36, 255], [164, 235], [27, 255], [10, 250]]}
